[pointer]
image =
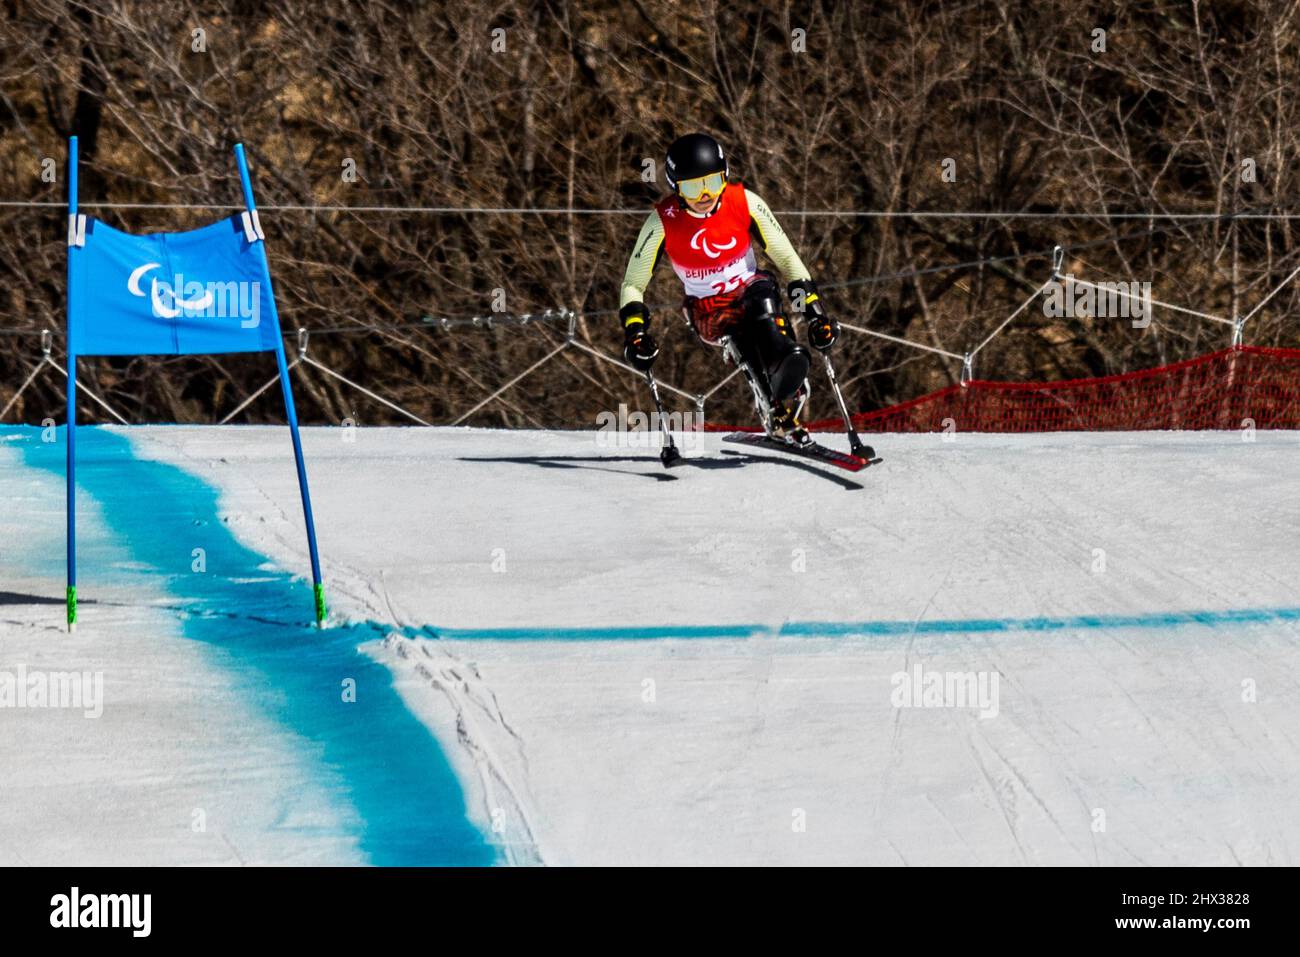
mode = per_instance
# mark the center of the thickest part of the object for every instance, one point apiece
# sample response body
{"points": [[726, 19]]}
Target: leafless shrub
{"points": [[1033, 118]]}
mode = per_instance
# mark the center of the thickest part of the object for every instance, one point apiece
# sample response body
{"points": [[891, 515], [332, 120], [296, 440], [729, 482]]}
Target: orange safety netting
{"points": [[1221, 390]]}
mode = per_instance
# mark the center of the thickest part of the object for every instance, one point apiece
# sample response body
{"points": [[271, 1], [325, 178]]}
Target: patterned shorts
{"points": [[713, 317]]}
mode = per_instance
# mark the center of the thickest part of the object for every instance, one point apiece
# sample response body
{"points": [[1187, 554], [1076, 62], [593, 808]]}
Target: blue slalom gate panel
{"points": [[203, 291], [197, 292]]}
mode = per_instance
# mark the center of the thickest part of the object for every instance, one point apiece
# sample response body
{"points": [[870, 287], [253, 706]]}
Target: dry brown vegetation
{"points": [[1035, 120]]}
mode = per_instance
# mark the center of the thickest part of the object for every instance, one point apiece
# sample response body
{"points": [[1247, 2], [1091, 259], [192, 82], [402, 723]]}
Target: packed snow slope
{"points": [[716, 664], [222, 730]]}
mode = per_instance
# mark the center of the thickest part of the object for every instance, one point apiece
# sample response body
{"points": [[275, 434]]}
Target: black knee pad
{"points": [[764, 324], [760, 301], [762, 309]]}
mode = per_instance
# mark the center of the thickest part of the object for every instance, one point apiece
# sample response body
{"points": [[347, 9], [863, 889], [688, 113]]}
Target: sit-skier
{"points": [[708, 227]]}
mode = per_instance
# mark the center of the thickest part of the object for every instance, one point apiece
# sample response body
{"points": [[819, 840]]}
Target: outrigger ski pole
{"points": [[855, 444], [668, 454]]}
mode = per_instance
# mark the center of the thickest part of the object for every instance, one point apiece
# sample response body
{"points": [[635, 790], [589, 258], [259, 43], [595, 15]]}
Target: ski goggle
{"points": [[693, 189]]}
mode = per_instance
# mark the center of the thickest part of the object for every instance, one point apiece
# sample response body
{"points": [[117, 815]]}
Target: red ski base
{"points": [[813, 451]]}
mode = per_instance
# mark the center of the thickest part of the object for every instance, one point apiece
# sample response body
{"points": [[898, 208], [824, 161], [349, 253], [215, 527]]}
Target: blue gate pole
{"points": [[71, 471], [318, 588]]}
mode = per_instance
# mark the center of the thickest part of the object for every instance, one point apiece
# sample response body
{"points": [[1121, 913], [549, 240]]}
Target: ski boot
{"points": [[783, 421]]}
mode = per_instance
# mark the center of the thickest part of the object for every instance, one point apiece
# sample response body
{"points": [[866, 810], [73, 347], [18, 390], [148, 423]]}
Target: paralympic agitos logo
{"points": [[159, 290], [214, 299], [713, 251]]}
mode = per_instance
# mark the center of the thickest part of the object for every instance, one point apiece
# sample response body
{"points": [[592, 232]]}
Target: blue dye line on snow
{"points": [[834, 629], [378, 757]]}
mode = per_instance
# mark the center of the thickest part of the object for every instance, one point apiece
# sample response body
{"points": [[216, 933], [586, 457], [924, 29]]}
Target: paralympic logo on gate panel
{"points": [[214, 299]]}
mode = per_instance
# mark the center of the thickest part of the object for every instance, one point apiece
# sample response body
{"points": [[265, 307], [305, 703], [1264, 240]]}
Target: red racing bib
{"points": [[710, 254]]}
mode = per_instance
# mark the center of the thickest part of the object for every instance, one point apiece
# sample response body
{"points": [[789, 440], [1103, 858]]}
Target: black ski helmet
{"points": [[692, 155]]}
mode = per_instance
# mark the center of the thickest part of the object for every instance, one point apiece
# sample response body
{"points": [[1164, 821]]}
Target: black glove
{"points": [[822, 329], [639, 347]]}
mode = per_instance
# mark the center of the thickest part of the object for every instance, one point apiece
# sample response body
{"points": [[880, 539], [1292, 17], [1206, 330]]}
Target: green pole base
{"points": [[72, 608], [321, 609]]}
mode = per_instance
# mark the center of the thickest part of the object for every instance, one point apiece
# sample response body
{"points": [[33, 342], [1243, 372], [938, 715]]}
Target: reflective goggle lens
{"points": [[695, 188]]}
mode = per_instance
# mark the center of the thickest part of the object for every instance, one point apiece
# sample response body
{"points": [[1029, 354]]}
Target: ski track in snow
{"points": [[564, 761]]}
